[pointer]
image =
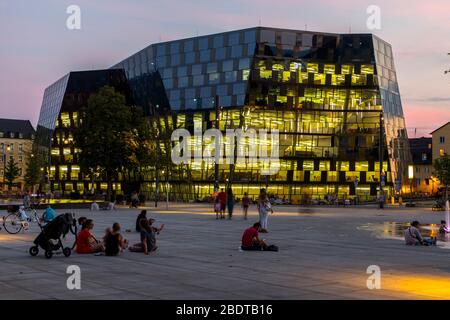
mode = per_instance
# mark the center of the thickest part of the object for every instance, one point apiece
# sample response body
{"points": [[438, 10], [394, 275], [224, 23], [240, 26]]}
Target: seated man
{"points": [[49, 214], [250, 239], [86, 242], [414, 238]]}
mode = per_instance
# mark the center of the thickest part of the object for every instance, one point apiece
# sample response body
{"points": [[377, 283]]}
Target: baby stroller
{"points": [[54, 230]]}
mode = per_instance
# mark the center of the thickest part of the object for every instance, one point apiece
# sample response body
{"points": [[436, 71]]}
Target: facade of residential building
{"points": [[423, 181], [16, 140], [441, 141]]}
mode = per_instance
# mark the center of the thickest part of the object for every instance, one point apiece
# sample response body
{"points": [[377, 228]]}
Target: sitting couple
{"points": [[251, 241], [148, 236], [113, 242], [414, 238]]}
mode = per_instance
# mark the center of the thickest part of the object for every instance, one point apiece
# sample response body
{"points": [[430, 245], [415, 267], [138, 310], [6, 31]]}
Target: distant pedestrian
{"points": [[245, 204], [223, 202], [217, 206], [264, 207], [381, 200], [230, 203]]}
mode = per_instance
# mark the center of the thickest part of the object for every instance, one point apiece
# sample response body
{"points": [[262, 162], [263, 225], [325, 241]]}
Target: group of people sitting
{"points": [[413, 237], [113, 243]]}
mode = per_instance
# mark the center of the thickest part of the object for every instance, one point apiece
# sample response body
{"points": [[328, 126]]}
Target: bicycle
{"points": [[14, 222]]}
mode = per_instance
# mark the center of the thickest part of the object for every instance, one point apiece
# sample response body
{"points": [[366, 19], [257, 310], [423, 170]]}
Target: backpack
{"points": [[272, 247]]}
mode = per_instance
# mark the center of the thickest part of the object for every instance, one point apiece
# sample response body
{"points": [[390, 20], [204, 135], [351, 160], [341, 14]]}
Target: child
{"points": [[217, 207], [245, 204]]}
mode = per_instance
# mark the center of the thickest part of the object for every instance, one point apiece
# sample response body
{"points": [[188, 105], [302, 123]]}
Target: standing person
{"points": [[223, 202], [245, 204], [114, 242], [230, 203], [264, 209], [262, 196], [381, 200], [142, 215], [217, 206], [26, 200]]}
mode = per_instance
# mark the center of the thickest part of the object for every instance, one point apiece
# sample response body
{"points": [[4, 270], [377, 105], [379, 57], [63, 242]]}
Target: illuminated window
{"points": [[277, 67], [75, 170], [286, 76], [358, 79], [319, 78], [441, 152], [351, 176], [362, 166], [299, 176], [245, 74], [308, 165], [367, 69], [342, 165], [315, 176], [337, 80], [313, 68], [346, 69], [329, 68], [332, 176], [324, 165], [265, 74]]}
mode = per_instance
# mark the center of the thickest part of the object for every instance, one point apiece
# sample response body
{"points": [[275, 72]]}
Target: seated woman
{"points": [[86, 242], [148, 238], [114, 242]]}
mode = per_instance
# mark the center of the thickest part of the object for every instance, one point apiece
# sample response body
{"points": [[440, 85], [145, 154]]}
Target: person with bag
{"points": [[264, 208], [252, 242]]}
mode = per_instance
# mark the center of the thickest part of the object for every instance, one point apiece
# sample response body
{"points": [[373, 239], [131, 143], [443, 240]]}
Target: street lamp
{"points": [[8, 148]]}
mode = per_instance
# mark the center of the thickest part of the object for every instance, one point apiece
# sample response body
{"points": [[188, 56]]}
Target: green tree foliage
{"points": [[12, 172], [442, 171], [108, 136], [34, 174]]}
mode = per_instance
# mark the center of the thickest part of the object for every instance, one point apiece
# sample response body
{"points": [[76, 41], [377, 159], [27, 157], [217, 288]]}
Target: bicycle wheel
{"points": [[12, 223]]}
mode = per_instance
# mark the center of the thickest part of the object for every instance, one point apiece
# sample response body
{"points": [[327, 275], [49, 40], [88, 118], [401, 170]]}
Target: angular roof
{"points": [[440, 127], [16, 126]]}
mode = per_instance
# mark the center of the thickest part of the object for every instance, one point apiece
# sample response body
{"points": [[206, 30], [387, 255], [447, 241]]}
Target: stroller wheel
{"points": [[67, 251], [48, 254], [34, 251]]}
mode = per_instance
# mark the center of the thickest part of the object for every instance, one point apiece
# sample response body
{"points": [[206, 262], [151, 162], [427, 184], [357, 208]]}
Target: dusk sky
{"points": [[37, 48]]}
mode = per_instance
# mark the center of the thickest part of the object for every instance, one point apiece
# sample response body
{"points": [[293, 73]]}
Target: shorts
{"points": [[223, 206]]}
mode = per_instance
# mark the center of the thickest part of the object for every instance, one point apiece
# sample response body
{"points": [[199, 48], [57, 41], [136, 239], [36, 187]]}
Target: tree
{"points": [[106, 134], [12, 172], [34, 174], [442, 172]]}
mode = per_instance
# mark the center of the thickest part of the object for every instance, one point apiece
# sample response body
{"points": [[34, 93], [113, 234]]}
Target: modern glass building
{"points": [[60, 114], [327, 94]]}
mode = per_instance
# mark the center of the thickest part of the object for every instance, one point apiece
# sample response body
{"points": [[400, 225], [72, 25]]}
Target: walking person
{"points": [[245, 204], [230, 203], [259, 203]]}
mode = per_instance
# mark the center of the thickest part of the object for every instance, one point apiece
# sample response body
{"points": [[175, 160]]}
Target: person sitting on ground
{"points": [[49, 214], [114, 242], [80, 226], [95, 206], [86, 242], [142, 215], [250, 239], [148, 239], [414, 238]]}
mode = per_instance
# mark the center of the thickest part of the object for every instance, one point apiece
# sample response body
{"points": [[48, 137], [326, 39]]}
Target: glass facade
{"points": [[60, 114], [327, 94]]}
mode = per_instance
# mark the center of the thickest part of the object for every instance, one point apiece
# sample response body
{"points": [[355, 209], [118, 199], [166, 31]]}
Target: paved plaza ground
{"points": [[324, 254]]}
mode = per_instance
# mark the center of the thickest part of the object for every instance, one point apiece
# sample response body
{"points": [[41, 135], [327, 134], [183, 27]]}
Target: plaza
{"points": [[324, 254]]}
